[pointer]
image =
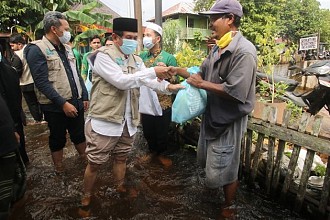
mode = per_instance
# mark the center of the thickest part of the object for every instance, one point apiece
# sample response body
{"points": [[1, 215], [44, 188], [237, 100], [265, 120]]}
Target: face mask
{"points": [[129, 46], [0, 56], [225, 40], [147, 43], [66, 37]]}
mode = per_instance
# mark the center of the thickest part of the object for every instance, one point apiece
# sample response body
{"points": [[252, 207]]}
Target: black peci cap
{"points": [[125, 24]]}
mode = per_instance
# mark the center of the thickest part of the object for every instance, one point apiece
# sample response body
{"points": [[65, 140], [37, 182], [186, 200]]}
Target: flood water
{"points": [[154, 191]]}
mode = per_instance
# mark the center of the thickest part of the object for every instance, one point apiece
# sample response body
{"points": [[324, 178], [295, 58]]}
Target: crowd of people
{"points": [[126, 88]]}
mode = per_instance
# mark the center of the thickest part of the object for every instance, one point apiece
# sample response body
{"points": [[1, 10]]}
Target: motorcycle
{"points": [[319, 96], [312, 100]]}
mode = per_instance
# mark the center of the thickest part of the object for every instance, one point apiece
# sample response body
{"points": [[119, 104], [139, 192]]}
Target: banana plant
{"points": [[84, 16]]}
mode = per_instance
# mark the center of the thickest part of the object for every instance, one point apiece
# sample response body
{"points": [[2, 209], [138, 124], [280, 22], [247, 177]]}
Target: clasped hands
{"points": [[164, 72], [167, 72]]}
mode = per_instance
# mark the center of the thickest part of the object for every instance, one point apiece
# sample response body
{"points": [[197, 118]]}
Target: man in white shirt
{"points": [[113, 116], [17, 43]]}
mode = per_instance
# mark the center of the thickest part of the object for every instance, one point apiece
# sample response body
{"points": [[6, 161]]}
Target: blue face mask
{"points": [[129, 46]]}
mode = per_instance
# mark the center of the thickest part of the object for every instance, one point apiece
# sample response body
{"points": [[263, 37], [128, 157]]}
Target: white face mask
{"points": [[147, 43], [66, 37]]}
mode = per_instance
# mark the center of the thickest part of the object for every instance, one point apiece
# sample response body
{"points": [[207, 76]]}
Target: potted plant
{"points": [[269, 91]]}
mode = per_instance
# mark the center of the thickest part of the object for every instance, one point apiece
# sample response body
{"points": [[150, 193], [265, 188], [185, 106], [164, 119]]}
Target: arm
{"points": [[39, 70], [237, 83], [179, 71], [113, 74], [84, 94], [17, 64], [197, 81]]}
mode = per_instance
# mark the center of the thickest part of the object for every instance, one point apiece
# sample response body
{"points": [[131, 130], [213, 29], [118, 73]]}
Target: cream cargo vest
{"points": [[56, 71], [107, 102]]}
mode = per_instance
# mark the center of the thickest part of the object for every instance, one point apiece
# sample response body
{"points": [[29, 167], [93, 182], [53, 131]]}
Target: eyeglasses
{"points": [[96, 42]]}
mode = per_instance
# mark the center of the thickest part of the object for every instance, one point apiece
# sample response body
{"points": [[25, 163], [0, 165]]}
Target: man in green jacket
{"points": [[155, 107]]}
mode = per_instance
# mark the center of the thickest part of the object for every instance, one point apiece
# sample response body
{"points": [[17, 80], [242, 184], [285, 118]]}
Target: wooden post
{"points": [[158, 12], [248, 151], [270, 163], [291, 169], [138, 16], [277, 168], [325, 191], [304, 179], [256, 157]]}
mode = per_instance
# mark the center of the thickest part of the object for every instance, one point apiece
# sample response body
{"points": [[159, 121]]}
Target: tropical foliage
{"points": [[188, 57], [171, 30], [289, 19], [26, 15]]}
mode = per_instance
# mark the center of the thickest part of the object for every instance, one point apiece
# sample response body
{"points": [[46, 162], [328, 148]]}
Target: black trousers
{"points": [[155, 130], [59, 124], [32, 101]]}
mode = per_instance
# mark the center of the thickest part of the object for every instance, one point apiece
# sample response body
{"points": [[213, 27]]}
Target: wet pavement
{"points": [[154, 191]]}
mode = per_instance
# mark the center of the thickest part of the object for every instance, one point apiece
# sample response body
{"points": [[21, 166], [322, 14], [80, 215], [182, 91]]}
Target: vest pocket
{"points": [[111, 95], [54, 63], [52, 76]]}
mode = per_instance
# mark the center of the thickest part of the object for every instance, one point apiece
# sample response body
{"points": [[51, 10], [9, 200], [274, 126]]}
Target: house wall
{"points": [[199, 25]]}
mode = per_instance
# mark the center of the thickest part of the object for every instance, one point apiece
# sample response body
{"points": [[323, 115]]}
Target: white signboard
{"points": [[308, 43]]}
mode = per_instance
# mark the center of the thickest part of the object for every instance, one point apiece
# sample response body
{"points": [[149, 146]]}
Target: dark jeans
{"points": [[155, 130], [32, 101]]}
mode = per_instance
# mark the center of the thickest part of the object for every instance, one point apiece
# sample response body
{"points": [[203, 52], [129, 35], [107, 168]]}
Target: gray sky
{"points": [[148, 6]]}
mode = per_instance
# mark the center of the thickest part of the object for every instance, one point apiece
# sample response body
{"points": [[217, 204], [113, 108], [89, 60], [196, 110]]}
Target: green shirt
{"points": [[85, 66], [77, 55], [151, 60], [163, 56]]}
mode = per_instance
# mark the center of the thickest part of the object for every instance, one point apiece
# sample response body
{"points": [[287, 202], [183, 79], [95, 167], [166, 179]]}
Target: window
{"points": [[190, 22]]}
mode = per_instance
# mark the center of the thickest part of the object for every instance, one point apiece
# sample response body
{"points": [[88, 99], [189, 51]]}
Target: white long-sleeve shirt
{"points": [[113, 74]]}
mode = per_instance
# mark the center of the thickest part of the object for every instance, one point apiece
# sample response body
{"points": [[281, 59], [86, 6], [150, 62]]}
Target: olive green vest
{"points": [[108, 102], [56, 71]]}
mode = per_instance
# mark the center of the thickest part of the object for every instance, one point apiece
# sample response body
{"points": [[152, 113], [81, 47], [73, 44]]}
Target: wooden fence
{"points": [[301, 133]]}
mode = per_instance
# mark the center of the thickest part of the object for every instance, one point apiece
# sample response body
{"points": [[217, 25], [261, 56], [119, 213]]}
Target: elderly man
{"points": [[113, 117], [61, 91], [228, 74]]}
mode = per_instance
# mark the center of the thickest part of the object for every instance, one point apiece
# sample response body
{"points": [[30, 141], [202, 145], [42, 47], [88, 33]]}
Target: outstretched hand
{"points": [[163, 72], [174, 87]]}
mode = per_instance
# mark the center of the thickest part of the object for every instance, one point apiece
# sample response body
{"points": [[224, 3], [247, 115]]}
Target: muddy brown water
{"points": [[154, 191]]}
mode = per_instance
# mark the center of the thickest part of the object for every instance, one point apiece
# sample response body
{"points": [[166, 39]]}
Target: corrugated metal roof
{"points": [[180, 8]]}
